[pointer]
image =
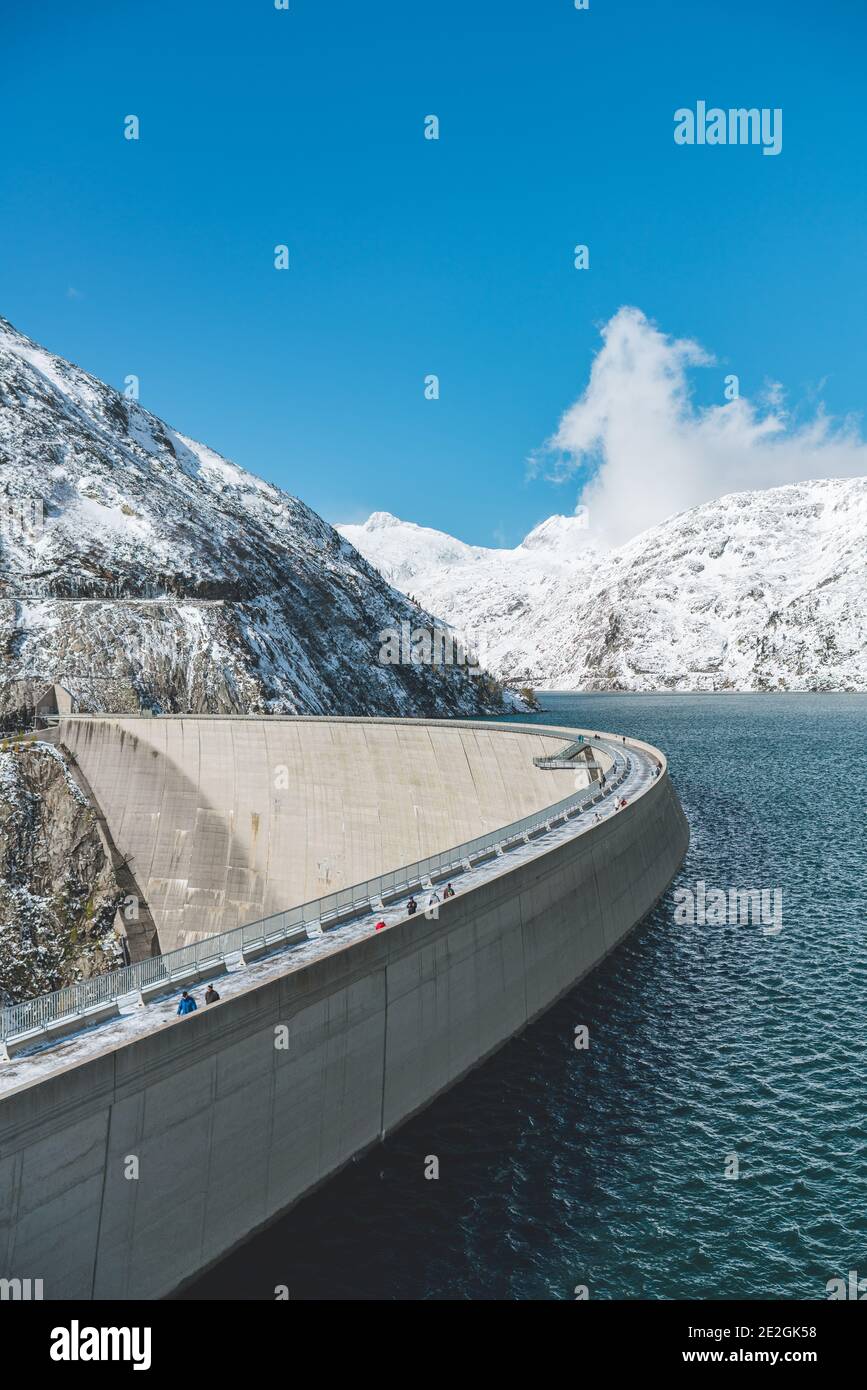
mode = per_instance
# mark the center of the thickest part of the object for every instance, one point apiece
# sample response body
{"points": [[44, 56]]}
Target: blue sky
{"points": [[409, 256]]}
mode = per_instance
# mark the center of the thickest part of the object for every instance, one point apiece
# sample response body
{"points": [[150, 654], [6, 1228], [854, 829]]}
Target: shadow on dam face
{"points": [[237, 1112], [192, 866]]}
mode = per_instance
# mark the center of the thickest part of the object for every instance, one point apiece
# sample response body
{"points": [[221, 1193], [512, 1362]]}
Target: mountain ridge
{"points": [[754, 591], [166, 577]]}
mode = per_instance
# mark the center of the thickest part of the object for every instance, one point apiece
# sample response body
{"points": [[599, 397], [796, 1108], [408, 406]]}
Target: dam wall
{"points": [[229, 1128], [227, 820]]}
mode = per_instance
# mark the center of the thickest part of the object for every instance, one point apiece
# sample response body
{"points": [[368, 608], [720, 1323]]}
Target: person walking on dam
{"points": [[411, 907], [211, 995], [449, 891], [187, 1004]]}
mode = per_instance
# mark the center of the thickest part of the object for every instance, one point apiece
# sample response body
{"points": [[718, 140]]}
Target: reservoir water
{"points": [[714, 1049]]}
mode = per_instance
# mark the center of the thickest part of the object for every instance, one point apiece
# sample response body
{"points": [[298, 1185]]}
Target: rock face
{"points": [[165, 577], [58, 892], [756, 591]]}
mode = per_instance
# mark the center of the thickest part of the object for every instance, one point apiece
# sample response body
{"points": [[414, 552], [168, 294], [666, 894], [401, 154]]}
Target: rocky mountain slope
{"points": [[58, 891], [166, 577], [755, 591]]}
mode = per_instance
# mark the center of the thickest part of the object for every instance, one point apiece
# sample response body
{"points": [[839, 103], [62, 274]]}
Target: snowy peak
{"points": [[566, 535], [755, 591], [401, 549]]}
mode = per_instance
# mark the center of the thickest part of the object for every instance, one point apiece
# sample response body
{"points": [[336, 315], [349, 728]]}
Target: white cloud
{"points": [[658, 453]]}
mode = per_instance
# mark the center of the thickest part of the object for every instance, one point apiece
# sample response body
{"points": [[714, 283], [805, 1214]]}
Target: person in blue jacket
{"points": [[187, 1004]]}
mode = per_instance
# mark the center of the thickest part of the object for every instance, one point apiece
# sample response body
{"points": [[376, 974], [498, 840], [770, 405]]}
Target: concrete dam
{"points": [[136, 1147]]}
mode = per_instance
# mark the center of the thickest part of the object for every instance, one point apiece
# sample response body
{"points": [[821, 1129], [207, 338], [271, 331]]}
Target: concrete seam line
{"points": [[523, 953], [212, 1111], [17, 1188], [106, 1152], [272, 1099], [384, 1047]]}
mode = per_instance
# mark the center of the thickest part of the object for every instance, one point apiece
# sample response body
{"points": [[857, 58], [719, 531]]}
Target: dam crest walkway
{"points": [[633, 770]]}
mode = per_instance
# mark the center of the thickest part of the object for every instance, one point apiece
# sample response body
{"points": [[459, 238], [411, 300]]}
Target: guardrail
{"points": [[146, 977]]}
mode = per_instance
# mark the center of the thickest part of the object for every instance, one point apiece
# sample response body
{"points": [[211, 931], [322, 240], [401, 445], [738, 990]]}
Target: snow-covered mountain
{"points": [[166, 577], [755, 591]]}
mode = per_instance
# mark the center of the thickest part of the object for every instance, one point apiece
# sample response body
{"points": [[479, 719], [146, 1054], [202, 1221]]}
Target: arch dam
{"points": [[276, 855]]}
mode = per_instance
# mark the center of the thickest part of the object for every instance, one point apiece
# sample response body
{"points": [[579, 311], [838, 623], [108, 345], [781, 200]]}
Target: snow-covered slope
{"points": [[495, 598], [755, 591], [167, 577]]}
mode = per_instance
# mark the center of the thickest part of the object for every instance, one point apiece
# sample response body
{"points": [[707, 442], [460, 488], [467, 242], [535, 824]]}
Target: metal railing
{"points": [[567, 757], [79, 999]]}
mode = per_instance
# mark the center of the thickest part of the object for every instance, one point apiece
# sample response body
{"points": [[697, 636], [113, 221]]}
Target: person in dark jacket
{"points": [[411, 907], [187, 1004], [211, 995]]}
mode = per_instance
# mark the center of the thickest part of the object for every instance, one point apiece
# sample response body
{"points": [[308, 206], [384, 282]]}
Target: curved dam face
{"points": [[318, 1051], [226, 820]]}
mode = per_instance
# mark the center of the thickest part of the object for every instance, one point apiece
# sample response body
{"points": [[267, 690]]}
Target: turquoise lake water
{"points": [[606, 1167]]}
